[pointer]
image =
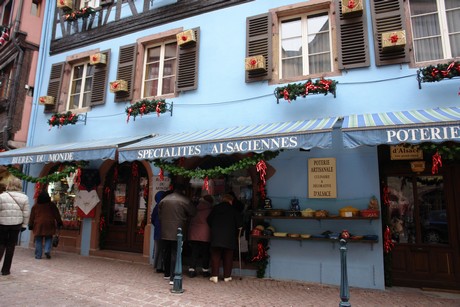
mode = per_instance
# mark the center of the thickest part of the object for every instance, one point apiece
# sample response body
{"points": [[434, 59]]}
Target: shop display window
{"points": [[63, 193]]}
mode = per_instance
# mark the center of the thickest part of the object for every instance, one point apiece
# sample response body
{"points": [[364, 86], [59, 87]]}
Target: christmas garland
{"points": [[448, 152], [292, 91], [146, 106], [214, 172], [440, 72], [54, 177], [261, 259], [81, 13], [62, 119]]}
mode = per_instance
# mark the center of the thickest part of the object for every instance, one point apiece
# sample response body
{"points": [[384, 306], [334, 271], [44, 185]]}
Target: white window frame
{"points": [[444, 34], [90, 3], [160, 68], [305, 53], [83, 85]]}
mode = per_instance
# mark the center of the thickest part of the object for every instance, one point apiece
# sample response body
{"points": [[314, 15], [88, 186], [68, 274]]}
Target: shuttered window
{"points": [[259, 42], [81, 84], [100, 81], [54, 85], [126, 69], [187, 65]]}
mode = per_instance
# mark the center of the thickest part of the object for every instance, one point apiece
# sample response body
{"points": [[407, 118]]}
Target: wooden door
{"points": [[125, 207]]}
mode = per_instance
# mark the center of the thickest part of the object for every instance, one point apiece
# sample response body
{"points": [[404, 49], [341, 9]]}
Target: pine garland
{"points": [[146, 106], [440, 72], [292, 91], [54, 177], [70, 15], [62, 119], [217, 171]]}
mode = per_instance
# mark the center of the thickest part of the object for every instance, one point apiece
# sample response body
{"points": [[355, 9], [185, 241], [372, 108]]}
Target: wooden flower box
{"points": [[255, 63], [352, 7], [64, 4], [46, 100], [118, 86], [393, 40], [186, 38], [98, 58]]}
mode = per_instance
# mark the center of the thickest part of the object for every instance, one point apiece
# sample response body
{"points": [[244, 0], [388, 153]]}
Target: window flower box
{"points": [[352, 7], [64, 4], [118, 86], [255, 63], [62, 119], [46, 100], [186, 38], [98, 58], [393, 39]]}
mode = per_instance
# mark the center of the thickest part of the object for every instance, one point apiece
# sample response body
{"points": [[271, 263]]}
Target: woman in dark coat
{"points": [[44, 218], [224, 221]]}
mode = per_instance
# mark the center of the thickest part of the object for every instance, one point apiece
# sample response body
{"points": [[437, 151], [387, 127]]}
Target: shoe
{"points": [[171, 282], [214, 279], [38, 257], [206, 274], [227, 279], [48, 256], [5, 273], [191, 273]]}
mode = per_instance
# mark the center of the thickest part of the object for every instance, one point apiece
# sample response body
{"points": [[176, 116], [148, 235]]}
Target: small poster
{"points": [[322, 178]]}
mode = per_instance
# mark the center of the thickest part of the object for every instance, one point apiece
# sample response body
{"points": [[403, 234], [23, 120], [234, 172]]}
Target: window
{"points": [[6, 81], [435, 29], [80, 86], [305, 45], [6, 12], [159, 70], [90, 3], [35, 8]]}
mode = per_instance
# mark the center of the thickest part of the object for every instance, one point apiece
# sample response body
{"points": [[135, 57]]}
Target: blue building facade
{"points": [[159, 88]]}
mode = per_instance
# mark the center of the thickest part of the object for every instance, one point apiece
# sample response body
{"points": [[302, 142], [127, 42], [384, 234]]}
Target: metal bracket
{"points": [[82, 117]]}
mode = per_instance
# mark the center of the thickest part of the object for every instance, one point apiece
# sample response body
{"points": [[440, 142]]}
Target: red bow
{"points": [[387, 242], [437, 162]]}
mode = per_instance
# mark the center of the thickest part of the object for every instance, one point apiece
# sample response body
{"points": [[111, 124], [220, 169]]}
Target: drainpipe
{"points": [[17, 73]]}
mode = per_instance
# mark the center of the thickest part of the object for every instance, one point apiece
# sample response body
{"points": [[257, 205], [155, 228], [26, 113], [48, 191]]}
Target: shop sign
{"points": [[424, 134], [402, 152], [53, 157], [322, 178]]}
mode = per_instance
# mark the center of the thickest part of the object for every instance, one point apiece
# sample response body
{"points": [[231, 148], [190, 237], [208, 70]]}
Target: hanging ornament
{"points": [[261, 168], [262, 190], [388, 244], [70, 180], [77, 179], [437, 162], [206, 184], [261, 253], [38, 189], [161, 174], [386, 195]]}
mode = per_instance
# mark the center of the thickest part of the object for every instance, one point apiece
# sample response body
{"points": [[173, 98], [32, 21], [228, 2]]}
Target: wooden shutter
{"points": [[54, 86], [99, 86], [353, 40], [259, 42], [187, 65], [388, 15], [126, 70]]}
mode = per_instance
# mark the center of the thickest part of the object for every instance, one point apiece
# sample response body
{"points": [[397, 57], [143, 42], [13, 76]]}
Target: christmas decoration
{"points": [[437, 162], [70, 15], [352, 7], [388, 243], [217, 171], [62, 119], [292, 91], [255, 63], [162, 174], [386, 195], [186, 38], [393, 39], [4, 36], [64, 4], [261, 258], [102, 231], [146, 106], [118, 86], [46, 100], [54, 177], [98, 58], [439, 72]]}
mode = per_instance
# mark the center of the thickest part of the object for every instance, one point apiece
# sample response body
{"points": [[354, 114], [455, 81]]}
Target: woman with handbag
{"points": [[44, 220]]}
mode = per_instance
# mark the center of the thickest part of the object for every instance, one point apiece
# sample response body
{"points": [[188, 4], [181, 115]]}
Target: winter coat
{"points": [[199, 229], [155, 218], [44, 218], [14, 209], [174, 210], [224, 221]]}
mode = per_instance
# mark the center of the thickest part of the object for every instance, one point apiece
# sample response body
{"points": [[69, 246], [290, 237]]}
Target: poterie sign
{"points": [[423, 134], [322, 178]]}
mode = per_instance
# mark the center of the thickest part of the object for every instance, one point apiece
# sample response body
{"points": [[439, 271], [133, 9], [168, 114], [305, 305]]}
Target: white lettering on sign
{"points": [[170, 152], [67, 156], [22, 159], [423, 134]]}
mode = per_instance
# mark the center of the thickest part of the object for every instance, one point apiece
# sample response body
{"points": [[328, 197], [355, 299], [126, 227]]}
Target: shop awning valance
{"points": [[304, 134], [76, 151], [413, 127]]}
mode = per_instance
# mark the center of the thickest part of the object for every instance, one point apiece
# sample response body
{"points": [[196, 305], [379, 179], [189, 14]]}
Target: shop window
{"points": [[159, 69], [435, 29], [80, 86], [63, 194]]}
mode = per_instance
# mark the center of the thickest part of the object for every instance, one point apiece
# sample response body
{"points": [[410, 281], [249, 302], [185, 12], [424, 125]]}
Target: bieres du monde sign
{"points": [[52, 157]]}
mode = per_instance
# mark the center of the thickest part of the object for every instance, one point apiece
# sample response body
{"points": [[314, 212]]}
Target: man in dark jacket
{"points": [[174, 211], [224, 222]]}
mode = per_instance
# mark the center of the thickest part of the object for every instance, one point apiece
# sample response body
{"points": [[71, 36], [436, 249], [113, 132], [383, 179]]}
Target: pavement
{"points": [[69, 279]]}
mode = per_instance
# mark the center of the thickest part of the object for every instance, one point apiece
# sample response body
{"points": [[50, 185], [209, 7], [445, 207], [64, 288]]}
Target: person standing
{"points": [[200, 236], [158, 250], [14, 216], [224, 222], [174, 210], [44, 218]]}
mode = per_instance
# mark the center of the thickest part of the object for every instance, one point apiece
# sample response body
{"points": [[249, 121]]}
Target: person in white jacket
{"points": [[14, 217]]}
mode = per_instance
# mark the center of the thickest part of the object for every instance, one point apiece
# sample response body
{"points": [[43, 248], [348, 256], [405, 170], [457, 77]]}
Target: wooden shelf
{"points": [[314, 218], [313, 239]]}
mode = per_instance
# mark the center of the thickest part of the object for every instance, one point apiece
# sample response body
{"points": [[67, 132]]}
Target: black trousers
{"points": [[202, 249], [8, 238], [170, 255]]}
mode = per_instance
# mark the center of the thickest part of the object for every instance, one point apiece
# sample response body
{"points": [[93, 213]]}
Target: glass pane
{"points": [[169, 68], [150, 88], [152, 70], [450, 4], [432, 209], [88, 83], [426, 26], [291, 28], [318, 43], [428, 49], [319, 63], [74, 101], [153, 54], [86, 100], [318, 24], [422, 7], [76, 87], [291, 47], [401, 209], [453, 20], [168, 86], [78, 72], [455, 45], [170, 51], [292, 67]]}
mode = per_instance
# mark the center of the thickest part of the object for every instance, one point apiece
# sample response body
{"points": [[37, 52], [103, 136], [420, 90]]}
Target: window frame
{"points": [[84, 78], [303, 9]]}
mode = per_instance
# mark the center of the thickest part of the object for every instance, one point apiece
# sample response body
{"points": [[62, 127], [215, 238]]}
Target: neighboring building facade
{"points": [[207, 71]]}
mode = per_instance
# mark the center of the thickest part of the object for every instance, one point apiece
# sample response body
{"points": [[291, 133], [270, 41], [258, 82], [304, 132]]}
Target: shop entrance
{"points": [[420, 209], [125, 207]]}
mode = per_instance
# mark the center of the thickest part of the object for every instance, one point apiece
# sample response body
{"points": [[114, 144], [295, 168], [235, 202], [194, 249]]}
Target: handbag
{"points": [[55, 241]]}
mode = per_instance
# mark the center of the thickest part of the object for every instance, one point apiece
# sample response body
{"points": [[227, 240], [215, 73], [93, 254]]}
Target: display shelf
{"points": [[266, 217], [314, 239]]}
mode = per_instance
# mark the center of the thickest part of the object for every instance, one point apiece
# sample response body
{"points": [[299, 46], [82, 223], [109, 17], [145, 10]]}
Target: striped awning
{"points": [[76, 151], [413, 127], [304, 134]]}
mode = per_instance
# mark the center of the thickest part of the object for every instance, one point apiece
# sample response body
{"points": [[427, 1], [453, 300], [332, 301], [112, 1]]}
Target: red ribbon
{"points": [[394, 38], [261, 252], [286, 95], [351, 4], [262, 190], [386, 195], [161, 174], [388, 243], [253, 62], [38, 188], [261, 168], [437, 162], [77, 178], [129, 114], [158, 108], [206, 184], [142, 109]]}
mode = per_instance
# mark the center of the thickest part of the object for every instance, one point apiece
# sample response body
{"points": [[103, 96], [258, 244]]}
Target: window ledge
{"points": [[80, 110]]}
